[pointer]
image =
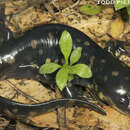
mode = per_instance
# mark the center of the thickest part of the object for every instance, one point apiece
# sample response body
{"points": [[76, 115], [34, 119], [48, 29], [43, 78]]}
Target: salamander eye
{"points": [[125, 100]]}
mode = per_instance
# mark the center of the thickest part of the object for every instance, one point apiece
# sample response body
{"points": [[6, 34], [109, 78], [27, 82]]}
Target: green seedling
{"points": [[90, 9], [119, 4], [69, 69]]}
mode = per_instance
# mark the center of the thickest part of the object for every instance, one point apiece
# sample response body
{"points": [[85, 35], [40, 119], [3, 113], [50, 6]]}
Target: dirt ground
{"points": [[23, 15]]}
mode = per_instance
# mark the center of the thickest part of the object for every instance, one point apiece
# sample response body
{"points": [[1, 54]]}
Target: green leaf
{"points": [[128, 10], [75, 56], [61, 78], [81, 70], [70, 77], [66, 45], [49, 68], [90, 9], [119, 4]]}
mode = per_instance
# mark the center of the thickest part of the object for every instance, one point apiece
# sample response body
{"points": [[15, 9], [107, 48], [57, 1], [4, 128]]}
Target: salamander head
{"points": [[122, 100], [119, 99]]}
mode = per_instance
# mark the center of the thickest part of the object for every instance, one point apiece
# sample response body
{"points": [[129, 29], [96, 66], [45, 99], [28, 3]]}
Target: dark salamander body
{"points": [[22, 57]]}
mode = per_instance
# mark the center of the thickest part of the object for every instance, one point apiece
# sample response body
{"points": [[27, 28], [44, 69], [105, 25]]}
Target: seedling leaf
{"points": [[81, 70], [49, 68], [66, 45], [90, 9], [128, 10], [61, 78], [70, 77], [75, 56], [119, 4]]}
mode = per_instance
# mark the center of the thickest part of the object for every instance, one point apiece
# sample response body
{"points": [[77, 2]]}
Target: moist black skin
{"points": [[21, 58]]}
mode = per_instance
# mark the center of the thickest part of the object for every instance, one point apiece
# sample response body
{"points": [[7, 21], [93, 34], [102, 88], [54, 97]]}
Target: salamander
{"points": [[21, 58]]}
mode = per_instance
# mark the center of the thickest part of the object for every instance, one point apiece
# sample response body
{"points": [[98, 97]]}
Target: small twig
{"points": [[51, 11], [22, 93], [21, 11], [75, 4], [33, 3]]}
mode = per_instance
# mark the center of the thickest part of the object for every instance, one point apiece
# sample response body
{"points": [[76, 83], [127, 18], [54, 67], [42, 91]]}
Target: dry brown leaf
{"points": [[116, 28]]}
